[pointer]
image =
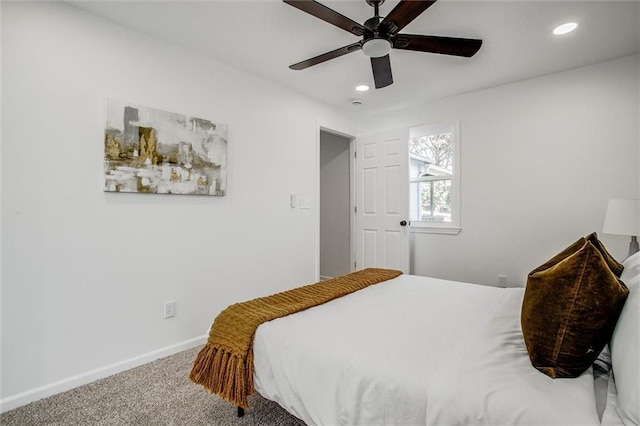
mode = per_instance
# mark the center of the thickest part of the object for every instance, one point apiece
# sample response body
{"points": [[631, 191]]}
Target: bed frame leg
{"points": [[240, 412]]}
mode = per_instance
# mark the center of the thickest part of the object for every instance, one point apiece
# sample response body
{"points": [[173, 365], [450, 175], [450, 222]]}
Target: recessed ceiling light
{"points": [[362, 88], [565, 28]]}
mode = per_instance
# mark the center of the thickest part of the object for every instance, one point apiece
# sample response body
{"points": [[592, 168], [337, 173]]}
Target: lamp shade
{"points": [[622, 218]]}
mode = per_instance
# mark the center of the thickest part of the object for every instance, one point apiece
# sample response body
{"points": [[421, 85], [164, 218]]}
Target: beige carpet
{"points": [[158, 393]]}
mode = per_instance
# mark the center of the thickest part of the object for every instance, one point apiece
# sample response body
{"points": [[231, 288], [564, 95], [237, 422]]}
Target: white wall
{"points": [[335, 207], [85, 273], [540, 159]]}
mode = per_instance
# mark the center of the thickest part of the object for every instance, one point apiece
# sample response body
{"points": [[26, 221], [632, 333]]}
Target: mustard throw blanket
{"points": [[224, 365]]}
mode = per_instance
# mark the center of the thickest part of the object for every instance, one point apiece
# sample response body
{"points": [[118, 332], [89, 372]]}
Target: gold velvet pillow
{"points": [[569, 311], [613, 264]]}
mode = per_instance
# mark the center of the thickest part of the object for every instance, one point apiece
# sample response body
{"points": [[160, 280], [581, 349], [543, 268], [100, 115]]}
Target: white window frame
{"points": [[453, 227]]}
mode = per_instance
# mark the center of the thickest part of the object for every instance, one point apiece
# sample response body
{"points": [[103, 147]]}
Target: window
{"points": [[434, 185]]}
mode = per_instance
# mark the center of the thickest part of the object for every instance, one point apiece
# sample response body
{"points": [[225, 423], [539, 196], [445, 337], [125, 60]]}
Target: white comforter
{"points": [[413, 351]]}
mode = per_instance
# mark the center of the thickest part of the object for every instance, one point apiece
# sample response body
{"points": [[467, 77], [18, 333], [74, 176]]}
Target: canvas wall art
{"points": [[148, 150]]}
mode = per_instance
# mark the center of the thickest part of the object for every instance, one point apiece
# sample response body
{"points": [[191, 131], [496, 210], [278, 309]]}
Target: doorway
{"points": [[336, 204]]}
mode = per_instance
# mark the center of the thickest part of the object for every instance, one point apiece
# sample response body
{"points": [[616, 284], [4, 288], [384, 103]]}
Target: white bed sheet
{"points": [[411, 351]]}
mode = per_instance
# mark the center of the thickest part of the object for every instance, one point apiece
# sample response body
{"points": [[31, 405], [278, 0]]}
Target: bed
{"points": [[413, 350]]}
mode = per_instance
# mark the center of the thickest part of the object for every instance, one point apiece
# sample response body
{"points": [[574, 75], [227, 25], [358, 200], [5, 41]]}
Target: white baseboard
{"points": [[324, 278], [63, 385]]}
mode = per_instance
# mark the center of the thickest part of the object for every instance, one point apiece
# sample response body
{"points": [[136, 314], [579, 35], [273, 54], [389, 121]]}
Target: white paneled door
{"points": [[382, 205]]}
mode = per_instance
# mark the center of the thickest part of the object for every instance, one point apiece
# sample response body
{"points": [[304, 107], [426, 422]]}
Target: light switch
{"points": [[294, 201], [305, 203]]}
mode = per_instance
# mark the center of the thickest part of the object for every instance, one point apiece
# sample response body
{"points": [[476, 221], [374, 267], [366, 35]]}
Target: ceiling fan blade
{"points": [[321, 11], [381, 71], [466, 47], [404, 12], [326, 56]]}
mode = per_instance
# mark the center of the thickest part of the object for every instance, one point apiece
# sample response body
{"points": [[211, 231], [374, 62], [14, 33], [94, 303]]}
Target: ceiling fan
{"points": [[380, 35]]}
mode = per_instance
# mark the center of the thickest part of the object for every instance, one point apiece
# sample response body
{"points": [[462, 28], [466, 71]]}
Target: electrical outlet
{"points": [[169, 309], [502, 280]]}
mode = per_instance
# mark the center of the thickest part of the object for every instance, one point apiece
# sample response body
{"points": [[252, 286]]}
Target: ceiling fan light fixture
{"points": [[376, 47]]}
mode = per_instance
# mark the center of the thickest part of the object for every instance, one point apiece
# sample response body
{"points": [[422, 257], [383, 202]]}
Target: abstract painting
{"points": [[148, 150]]}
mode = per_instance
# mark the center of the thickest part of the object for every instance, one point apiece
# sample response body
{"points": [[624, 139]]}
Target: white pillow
{"points": [[625, 346]]}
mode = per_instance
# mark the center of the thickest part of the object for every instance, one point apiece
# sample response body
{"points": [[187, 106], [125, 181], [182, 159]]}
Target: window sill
{"points": [[435, 230]]}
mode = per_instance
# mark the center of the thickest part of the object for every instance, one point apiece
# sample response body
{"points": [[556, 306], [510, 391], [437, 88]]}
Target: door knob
{"points": [[403, 223]]}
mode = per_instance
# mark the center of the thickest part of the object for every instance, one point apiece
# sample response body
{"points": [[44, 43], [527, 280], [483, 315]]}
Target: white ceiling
{"points": [[264, 37]]}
